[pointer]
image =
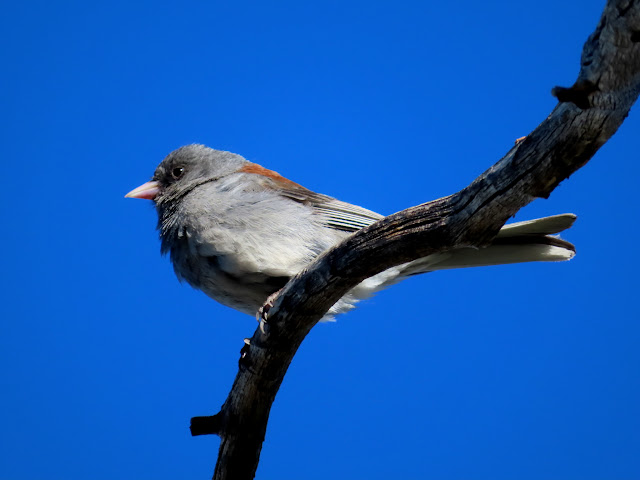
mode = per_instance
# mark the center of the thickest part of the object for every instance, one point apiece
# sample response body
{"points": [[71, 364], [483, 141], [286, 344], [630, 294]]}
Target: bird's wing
{"points": [[344, 216], [333, 213]]}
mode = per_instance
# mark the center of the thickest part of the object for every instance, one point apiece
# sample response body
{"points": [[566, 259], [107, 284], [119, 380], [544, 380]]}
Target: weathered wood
{"points": [[588, 114]]}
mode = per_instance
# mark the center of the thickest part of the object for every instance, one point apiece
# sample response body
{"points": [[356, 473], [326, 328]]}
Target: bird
{"points": [[238, 231]]}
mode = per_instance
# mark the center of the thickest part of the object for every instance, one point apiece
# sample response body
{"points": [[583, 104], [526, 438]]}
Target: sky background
{"points": [[523, 371]]}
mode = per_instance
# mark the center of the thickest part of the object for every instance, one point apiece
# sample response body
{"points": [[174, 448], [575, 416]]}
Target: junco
{"points": [[238, 231]]}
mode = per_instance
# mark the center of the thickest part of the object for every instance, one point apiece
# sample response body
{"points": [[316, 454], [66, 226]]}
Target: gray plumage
{"points": [[238, 231]]}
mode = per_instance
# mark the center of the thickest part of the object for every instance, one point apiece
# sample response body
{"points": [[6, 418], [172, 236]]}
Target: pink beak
{"points": [[146, 191]]}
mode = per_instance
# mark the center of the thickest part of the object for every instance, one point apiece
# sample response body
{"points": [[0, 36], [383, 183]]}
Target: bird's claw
{"points": [[244, 351], [264, 327], [263, 313]]}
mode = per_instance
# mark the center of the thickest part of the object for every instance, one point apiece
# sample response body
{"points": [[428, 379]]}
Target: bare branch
{"points": [[588, 114]]}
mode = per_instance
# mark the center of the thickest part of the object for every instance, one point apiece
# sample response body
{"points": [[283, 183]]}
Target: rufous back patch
{"points": [[265, 172]]}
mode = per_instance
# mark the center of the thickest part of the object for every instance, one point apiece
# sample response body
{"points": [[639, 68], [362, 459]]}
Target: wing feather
{"points": [[333, 213]]}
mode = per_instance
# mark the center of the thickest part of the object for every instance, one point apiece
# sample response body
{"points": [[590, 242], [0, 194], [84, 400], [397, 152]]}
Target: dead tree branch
{"points": [[587, 115]]}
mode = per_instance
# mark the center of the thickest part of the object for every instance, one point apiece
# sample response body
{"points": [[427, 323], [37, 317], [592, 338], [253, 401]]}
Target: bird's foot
{"points": [[263, 312]]}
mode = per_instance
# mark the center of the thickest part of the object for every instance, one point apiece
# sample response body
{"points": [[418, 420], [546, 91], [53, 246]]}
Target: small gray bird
{"points": [[239, 232]]}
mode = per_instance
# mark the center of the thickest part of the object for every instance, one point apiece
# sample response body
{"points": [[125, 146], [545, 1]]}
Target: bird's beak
{"points": [[147, 191]]}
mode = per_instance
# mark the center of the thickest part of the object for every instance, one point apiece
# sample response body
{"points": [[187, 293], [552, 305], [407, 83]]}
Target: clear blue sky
{"points": [[525, 371]]}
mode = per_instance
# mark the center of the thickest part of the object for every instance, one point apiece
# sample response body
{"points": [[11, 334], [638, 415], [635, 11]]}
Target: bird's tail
{"points": [[529, 241]]}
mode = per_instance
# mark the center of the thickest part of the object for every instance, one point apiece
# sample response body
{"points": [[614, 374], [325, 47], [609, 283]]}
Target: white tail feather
{"points": [[532, 242]]}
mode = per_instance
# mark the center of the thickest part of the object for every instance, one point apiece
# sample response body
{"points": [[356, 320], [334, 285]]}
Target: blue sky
{"points": [[524, 371]]}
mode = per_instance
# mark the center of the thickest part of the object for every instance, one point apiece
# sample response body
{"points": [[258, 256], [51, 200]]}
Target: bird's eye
{"points": [[177, 172]]}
